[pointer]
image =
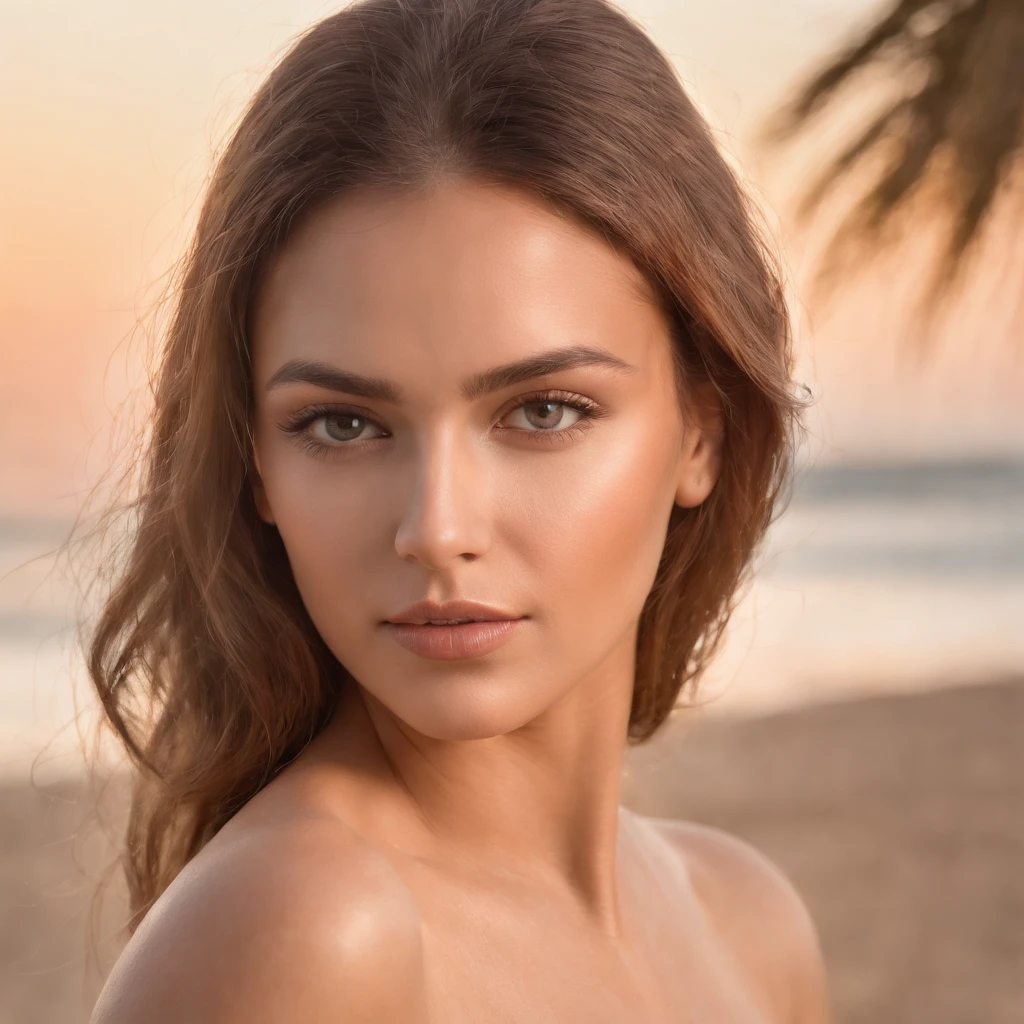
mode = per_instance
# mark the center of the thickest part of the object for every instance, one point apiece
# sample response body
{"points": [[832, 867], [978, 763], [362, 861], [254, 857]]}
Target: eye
{"points": [[323, 430], [343, 426], [548, 414], [552, 417]]}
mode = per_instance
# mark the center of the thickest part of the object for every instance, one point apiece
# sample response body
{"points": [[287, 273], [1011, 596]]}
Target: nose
{"points": [[444, 517]]}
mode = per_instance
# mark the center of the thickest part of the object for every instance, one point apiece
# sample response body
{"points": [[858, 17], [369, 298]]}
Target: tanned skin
{"points": [[451, 849]]}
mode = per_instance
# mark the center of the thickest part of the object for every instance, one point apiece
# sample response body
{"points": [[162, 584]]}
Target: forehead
{"points": [[448, 281]]}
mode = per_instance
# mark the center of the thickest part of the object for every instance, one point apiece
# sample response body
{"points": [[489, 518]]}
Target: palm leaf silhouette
{"points": [[955, 120]]}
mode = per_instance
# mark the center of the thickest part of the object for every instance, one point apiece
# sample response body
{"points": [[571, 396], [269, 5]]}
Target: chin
{"points": [[461, 707]]}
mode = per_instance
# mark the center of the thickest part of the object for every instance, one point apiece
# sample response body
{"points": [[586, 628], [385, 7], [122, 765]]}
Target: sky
{"points": [[110, 111]]}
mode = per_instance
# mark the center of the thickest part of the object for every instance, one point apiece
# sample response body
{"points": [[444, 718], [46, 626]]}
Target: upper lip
{"points": [[425, 611]]}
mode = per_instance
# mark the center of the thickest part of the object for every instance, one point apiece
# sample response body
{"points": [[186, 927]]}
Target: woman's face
{"points": [[462, 395]]}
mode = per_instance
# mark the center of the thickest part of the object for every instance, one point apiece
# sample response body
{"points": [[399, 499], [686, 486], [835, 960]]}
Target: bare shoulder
{"points": [[759, 915], [278, 921]]}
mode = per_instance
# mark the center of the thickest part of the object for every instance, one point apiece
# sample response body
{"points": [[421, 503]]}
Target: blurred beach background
{"points": [[864, 723]]}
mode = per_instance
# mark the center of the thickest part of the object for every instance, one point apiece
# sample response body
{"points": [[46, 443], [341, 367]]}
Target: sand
{"points": [[900, 819]]}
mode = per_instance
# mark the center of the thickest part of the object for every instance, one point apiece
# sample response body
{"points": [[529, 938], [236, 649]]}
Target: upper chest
{"points": [[502, 953]]}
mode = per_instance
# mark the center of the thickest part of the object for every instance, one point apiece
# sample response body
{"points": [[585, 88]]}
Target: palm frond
{"points": [[954, 122]]}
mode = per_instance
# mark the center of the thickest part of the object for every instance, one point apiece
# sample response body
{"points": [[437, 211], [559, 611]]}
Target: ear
{"points": [[259, 492], [700, 456]]}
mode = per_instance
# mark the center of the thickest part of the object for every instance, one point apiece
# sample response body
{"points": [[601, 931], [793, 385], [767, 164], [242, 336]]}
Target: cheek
{"points": [[331, 524], [595, 529]]}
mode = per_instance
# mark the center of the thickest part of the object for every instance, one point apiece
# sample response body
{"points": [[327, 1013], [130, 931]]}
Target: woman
{"points": [[474, 407]]}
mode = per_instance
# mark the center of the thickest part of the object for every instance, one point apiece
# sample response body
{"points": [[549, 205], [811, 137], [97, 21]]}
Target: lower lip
{"points": [[449, 643]]}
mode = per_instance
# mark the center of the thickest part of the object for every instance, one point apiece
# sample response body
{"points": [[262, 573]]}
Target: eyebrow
{"points": [[304, 371]]}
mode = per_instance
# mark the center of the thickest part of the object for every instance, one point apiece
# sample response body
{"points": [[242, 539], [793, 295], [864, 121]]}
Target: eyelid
{"points": [[308, 414], [314, 411], [570, 398]]}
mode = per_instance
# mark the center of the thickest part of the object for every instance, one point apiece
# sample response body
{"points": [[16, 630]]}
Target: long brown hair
{"points": [[204, 658]]}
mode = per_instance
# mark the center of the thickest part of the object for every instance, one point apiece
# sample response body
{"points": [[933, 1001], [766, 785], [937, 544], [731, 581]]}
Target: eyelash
{"points": [[300, 423]]}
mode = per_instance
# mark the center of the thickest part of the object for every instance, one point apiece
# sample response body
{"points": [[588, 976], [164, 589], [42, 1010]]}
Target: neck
{"points": [[540, 802]]}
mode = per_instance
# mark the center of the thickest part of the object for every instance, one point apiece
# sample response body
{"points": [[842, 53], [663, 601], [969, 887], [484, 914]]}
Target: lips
{"points": [[450, 613], [452, 630]]}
